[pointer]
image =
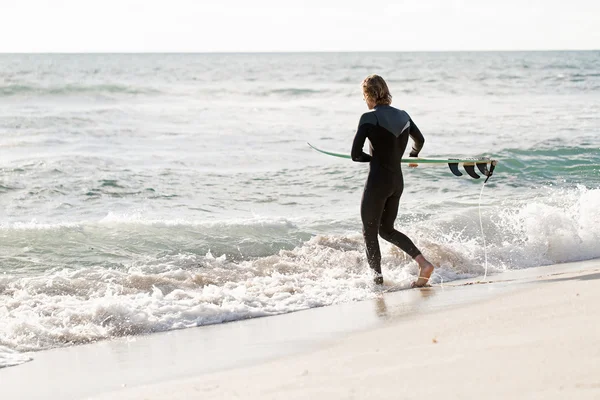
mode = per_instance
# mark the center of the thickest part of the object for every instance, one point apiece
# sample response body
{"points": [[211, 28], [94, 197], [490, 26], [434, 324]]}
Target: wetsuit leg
{"points": [[386, 229], [377, 189]]}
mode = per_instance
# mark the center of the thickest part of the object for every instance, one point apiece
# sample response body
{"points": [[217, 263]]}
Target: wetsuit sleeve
{"points": [[357, 146], [418, 139], [366, 122]]}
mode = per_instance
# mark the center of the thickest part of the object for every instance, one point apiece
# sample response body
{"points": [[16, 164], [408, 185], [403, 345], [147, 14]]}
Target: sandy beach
{"points": [[524, 334]]}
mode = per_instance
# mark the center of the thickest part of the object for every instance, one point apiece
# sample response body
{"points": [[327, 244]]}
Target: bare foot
{"points": [[378, 279], [425, 271]]}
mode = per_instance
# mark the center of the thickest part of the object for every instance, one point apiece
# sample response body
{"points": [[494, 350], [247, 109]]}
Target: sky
{"points": [[309, 25]]}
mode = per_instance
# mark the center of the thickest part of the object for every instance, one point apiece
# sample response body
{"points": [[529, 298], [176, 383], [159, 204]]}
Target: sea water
{"points": [[151, 192]]}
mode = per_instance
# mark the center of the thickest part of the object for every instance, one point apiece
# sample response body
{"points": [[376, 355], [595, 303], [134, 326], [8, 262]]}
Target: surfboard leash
{"points": [[481, 226]]}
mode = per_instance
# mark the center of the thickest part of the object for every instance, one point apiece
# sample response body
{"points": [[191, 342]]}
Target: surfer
{"points": [[387, 129]]}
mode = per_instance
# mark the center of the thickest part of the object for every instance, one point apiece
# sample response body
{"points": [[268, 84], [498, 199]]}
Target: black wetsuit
{"points": [[387, 129]]}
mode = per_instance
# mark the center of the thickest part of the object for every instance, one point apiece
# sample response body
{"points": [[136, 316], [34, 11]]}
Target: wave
{"points": [[6, 189], [130, 235], [290, 92], [549, 162], [73, 89], [126, 275], [71, 306], [116, 239]]}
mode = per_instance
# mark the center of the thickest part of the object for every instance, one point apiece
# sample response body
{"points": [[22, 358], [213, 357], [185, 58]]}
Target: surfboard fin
{"points": [[483, 168], [454, 169], [471, 171]]}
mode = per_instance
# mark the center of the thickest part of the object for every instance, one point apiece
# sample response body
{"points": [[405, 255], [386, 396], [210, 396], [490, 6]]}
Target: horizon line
{"points": [[290, 52]]}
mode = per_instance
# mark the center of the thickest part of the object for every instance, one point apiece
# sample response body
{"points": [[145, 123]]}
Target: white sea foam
{"points": [[10, 358], [76, 306]]}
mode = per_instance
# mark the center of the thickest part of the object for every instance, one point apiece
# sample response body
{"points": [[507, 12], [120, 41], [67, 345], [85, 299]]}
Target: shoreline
{"points": [[185, 360]]}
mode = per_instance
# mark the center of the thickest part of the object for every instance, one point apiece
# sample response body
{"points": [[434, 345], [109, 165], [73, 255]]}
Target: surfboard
{"points": [[468, 164], [417, 160]]}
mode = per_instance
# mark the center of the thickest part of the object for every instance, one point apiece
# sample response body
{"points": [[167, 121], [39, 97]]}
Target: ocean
{"points": [[142, 193]]}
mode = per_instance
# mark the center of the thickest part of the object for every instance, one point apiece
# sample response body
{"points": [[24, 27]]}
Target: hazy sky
{"points": [[311, 25]]}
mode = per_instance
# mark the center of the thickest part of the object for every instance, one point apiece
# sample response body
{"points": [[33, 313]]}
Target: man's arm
{"points": [[418, 139], [367, 121], [357, 152]]}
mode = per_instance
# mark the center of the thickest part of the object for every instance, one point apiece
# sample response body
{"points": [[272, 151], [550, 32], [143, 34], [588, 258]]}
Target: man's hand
{"points": [[413, 154]]}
